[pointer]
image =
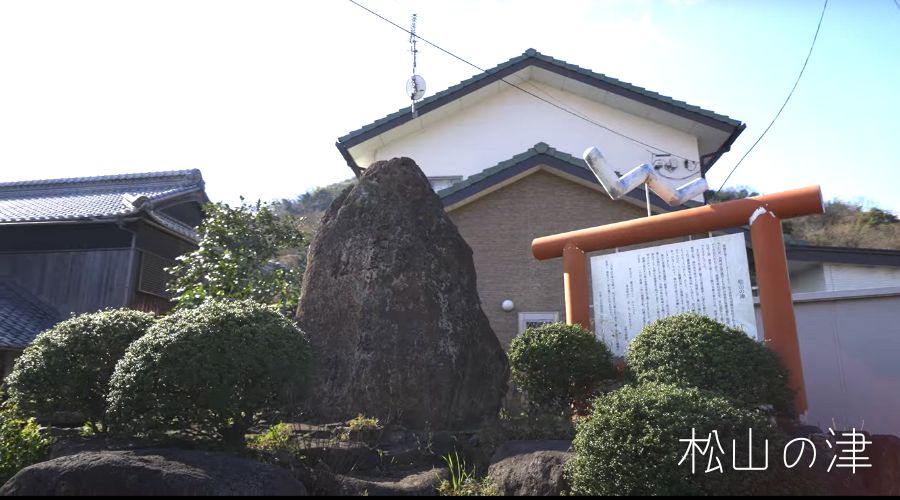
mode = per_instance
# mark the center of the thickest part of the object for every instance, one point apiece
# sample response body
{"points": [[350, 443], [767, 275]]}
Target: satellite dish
{"points": [[415, 87]]}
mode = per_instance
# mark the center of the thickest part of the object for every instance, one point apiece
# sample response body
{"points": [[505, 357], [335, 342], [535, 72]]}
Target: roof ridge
{"points": [[538, 149], [49, 184], [538, 56]]}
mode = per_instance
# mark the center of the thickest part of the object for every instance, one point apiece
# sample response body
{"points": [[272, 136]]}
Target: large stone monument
{"points": [[390, 304]]}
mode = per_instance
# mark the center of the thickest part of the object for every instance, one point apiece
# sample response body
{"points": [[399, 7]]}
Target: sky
{"points": [[255, 93]]}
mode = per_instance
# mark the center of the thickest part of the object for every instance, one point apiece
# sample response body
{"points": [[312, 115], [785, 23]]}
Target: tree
{"points": [[731, 193], [67, 368], [876, 217], [559, 365], [244, 253], [210, 371], [690, 350]]}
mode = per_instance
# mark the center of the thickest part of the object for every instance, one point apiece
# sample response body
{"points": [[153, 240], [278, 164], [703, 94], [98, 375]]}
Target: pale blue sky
{"points": [[255, 93]]}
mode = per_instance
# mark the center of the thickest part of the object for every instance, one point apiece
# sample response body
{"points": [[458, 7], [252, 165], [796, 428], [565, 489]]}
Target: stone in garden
{"points": [[391, 308], [530, 468], [160, 472]]}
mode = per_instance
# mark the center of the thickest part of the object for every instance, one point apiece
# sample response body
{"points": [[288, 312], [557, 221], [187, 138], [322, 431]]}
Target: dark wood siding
{"points": [[151, 303], [190, 213], [159, 242], [45, 237], [72, 282]]}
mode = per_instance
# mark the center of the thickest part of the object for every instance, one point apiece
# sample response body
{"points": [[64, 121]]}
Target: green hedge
{"points": [[67, 368], [696, 351], [210, 371], [21, 442], [557, 365], [630, 445]]}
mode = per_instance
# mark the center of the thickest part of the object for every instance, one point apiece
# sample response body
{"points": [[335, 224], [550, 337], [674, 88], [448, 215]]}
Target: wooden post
{"points": [[775, 300], [575, 284]]}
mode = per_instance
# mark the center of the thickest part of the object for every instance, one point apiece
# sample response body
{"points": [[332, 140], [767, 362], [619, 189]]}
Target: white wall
{"points": [[827, 277], [810, 279], [495, 129], [851, 277]]}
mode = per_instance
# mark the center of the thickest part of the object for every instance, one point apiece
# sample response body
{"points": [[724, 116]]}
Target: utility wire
{"points": [[897, 4], [791, 93], [490, 74]]}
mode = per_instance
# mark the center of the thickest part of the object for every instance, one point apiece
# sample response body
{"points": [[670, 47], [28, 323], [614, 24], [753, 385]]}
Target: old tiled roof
{"points": [[97, 198], [532, 56], [22, 317]]}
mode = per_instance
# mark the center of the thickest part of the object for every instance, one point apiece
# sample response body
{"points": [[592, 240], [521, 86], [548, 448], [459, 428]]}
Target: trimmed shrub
{"points": [[209, 372], [21, 442], [630, 445], [67, 368], [557, 365], [696, 351]]}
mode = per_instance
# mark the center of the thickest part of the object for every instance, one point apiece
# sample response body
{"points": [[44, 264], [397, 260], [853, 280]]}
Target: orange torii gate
{"points": [[763, 213]]}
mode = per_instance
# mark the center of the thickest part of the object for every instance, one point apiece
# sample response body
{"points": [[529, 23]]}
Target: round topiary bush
{"points": [[209, 371], [696, 351], [630, 445], [557, 365], [67, 368]]}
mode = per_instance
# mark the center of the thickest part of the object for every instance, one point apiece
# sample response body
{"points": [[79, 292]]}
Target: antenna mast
{"points": [[415, 87]]}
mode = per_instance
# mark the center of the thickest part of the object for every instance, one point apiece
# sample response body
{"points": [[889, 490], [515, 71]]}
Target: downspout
{"points": [[349, 159], [726, 146], [130, 282], [714, 157]]}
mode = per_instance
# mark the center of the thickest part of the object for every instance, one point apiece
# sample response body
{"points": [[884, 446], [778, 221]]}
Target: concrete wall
{"points": [[500, 228], [482, 134], [849, 345]]}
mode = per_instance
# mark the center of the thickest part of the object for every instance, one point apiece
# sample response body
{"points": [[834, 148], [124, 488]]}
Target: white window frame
{"points": [[529, 317]]}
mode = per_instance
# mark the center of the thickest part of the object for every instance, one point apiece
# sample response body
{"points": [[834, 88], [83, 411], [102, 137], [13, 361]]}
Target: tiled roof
{"points": [[540, 153], [539, 148], [22, 317], [89, 198], [547, 62]]}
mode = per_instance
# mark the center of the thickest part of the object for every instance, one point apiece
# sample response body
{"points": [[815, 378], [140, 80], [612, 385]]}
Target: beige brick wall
{"points": [[500, 227]]}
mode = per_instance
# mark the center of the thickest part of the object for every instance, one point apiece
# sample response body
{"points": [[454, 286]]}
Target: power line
{"points": [[555, 105], [897, 4], [791, 93]]}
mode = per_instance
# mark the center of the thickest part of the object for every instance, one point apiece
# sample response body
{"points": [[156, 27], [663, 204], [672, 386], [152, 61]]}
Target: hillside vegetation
{"points": [[844, 224], [308, 208]]}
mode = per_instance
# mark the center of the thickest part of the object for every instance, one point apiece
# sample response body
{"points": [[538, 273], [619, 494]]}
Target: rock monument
{"points": [[390, 304]]}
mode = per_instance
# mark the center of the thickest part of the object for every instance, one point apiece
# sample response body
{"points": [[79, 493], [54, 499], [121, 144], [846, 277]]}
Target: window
{"points": [[153, 277], [439, 183], [532, 319]]}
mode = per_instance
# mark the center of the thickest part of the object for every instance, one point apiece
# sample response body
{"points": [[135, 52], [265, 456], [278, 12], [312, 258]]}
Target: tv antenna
{"points": [[415, 86]]}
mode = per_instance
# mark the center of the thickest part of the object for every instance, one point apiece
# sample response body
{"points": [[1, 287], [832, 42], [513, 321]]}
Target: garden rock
{"points": [[421, 481], [392, 311], [883, 478], [152, 473], [530, 468]]}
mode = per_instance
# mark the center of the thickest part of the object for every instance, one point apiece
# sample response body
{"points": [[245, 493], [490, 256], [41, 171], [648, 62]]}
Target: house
{"points": [[507, 165], [504, 156], [71, 246]]}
